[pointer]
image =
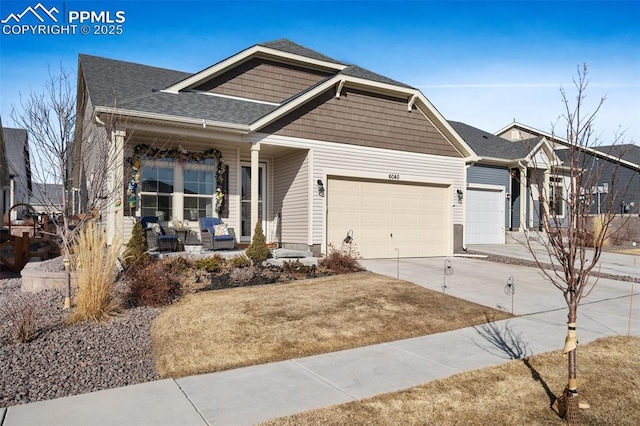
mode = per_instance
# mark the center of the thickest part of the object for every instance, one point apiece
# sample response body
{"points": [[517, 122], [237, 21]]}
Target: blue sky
{"points": [[482, 63]]}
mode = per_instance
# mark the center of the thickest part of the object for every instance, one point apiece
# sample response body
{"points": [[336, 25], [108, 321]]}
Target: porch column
{"points": [[524, 224], [546, 193], [255, 180], [115, 188]]}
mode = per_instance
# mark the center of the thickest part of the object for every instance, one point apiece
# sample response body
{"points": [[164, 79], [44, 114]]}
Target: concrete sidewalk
{"points": [[253, 394]]}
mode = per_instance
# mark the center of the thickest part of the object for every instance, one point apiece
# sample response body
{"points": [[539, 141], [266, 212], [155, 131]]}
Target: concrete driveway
{"points": [[486, 282]]}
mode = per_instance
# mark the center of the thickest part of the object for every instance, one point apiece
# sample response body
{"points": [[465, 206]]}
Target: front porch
{"points": [[181, 177]]}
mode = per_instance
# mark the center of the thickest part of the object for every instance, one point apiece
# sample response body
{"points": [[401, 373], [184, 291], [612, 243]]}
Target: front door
{"points": [[245, 214]]}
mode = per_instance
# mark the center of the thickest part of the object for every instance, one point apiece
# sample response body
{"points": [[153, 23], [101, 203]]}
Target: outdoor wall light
{"points": [[460, 195], [320, 187], [349, 237]]}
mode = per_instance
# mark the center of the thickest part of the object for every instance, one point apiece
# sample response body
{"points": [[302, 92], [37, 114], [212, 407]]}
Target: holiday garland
{"points": [[181, 156]]}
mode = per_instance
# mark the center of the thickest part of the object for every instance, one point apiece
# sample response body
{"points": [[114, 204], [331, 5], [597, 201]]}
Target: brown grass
{"points": [[509, 394], [225, 329], [96, 267]]}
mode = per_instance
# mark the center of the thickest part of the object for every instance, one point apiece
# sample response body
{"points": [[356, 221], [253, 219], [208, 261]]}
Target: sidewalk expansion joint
{"points": [[190, 402], [313, 373]]}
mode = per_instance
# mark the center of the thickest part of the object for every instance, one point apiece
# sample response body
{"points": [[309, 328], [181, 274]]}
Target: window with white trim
{"points": [[156, 190], [556, 196], [168, 185], [199, 187]]}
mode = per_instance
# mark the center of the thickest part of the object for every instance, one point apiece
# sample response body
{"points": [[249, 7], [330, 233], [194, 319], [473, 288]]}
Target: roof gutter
{"points": [[214, 125]]}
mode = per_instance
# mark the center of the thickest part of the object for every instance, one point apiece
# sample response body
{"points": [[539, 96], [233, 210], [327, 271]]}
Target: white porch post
{"points": [[115, 185], [523, 199], [546, 193], [255, 179]]}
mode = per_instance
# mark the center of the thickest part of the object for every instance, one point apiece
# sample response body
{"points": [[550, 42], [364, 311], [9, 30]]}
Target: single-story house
{"points": [[500, 183], [313, 148], [611, 178], [16, 170]]}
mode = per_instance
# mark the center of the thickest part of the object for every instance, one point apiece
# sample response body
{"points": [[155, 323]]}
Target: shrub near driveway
{"points": [[237, 327]]}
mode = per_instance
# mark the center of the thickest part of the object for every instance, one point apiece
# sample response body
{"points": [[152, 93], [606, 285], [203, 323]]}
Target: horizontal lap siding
{"points": [[364, 119], [291, 196], [263, 80]]}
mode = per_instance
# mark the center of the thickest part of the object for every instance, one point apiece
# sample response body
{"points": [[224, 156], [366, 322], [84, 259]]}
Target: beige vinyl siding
{"points": [[291, 196], [129, 221], [364, 119], [263, 80], [328, 157]]}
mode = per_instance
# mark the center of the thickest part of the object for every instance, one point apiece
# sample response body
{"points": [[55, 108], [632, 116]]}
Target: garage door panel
{"points": [[484, 213], [387, 217]]}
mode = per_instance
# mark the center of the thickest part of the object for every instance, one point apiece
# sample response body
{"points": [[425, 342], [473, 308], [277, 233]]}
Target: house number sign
{"points": [[394, 176]]}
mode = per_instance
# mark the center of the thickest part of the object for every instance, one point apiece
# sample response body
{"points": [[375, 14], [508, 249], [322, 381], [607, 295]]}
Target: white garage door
{"points": [[484, 217], [390, 218]]}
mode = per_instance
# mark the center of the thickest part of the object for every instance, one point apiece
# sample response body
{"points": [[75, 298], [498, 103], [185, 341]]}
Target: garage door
{"points": [[390, 218], [484, 217]]}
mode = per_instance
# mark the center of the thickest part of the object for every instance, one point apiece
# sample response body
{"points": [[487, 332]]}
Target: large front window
{"points": [[157, 186], [198, 190], [170, 189]]}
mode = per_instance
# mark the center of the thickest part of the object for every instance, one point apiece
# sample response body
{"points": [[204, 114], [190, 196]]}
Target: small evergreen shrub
{"points": [[258, 250], [240, 261], [137, 247]]}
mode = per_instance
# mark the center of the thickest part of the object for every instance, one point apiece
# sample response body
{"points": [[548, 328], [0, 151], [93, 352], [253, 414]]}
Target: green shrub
{"points": [[213, 263], [258, 250], [137, 247], [240, 261]]}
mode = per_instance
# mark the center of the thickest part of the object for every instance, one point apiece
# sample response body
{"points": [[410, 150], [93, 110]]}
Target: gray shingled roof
{"points": [[110, 80], [285, 45], [627, 152], [356, 71], [486, 144], [136, 87], [15, 141]]}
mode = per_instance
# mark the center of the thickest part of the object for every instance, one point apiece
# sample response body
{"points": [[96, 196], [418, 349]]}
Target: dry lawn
{"points": [[516, 393], [232, 328]]}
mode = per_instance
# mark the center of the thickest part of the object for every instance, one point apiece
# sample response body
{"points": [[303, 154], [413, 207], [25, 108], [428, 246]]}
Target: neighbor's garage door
{"points": [[390, 218], [484, 217]]}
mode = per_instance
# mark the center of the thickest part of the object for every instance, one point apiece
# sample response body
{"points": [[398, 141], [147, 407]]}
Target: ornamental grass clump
{"points": [[96, 267]]}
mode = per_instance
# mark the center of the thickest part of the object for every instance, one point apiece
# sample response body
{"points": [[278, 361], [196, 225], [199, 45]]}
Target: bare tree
{"points": [[63, 141], [571, 197]]}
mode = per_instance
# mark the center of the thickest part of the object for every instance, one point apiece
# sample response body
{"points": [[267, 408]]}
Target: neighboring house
{"points": [[47, 198], [613, 171], [4, 173], [18, 187], [500, 183], [314, 148]]}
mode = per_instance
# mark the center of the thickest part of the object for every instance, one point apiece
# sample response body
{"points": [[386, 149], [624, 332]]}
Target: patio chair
{"points": [[216, 235], [157, 238]]}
